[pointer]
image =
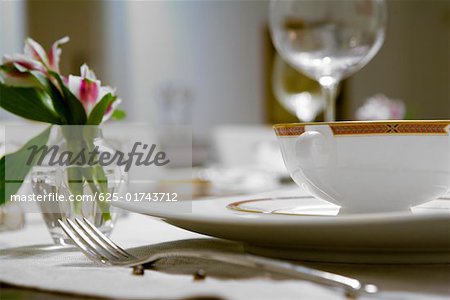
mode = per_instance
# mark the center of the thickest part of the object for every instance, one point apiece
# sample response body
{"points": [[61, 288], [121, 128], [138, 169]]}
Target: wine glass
{"points": [[328, 40], [298, 94]]}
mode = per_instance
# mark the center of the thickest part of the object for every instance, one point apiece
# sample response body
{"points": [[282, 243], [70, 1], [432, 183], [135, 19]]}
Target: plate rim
{"points": [[246, 218]]}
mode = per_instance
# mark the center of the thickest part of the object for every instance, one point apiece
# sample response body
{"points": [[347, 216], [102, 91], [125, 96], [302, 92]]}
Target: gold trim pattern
{"points": [[370, 128], [290, 131], [394, 128], [236, 206]]}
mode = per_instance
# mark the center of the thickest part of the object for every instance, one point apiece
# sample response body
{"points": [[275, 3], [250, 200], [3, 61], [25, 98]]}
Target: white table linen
{"points": [[28, 259]]}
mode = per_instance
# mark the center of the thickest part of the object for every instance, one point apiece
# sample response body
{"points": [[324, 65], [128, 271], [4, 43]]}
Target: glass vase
{"points": [[76, 188]]}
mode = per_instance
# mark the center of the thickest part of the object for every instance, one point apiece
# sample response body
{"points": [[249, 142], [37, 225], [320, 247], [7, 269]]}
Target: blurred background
{"points": [[217, 57]]}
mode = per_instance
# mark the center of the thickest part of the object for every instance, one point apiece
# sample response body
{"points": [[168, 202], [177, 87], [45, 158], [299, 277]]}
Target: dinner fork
{"points": [[102, 250]]}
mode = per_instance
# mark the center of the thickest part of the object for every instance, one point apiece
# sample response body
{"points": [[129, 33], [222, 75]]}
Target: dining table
{"points": [[33, 267]]}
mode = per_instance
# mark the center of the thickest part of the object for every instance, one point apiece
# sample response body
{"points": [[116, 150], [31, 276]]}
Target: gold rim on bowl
{"points": [[388, 127]]}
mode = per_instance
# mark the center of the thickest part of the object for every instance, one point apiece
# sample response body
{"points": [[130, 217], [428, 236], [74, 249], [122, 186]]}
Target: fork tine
{"points": [[107, 240], [98, 240], [90, 242], [90, 253]]}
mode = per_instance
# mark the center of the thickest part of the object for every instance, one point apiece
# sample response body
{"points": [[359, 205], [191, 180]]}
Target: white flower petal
{"points": [[55, 53], [34, 50], [86, 72]]}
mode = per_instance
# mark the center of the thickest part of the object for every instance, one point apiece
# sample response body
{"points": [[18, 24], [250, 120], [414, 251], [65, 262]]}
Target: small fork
{"points": [[102, 250]]}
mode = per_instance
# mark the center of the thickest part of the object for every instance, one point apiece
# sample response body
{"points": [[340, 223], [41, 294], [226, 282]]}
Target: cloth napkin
{"points": [[29, 259]]}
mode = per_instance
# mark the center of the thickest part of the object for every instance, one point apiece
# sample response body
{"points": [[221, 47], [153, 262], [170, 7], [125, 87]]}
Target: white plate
{"points": [[308, 229]]}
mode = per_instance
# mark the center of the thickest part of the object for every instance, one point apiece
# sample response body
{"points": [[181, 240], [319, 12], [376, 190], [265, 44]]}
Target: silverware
{"points": [[102, 250]]}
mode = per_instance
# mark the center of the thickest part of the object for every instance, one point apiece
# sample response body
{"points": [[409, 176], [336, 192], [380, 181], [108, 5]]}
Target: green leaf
{"points": [[76, 115], [2, 181], [40, 78], [17, 166], [96, 116], [29, 103], [118, 115], [58, 102]]}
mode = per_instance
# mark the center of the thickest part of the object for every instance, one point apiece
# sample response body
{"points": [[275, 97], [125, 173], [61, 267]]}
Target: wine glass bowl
{"points": [[299, 95], [328, 40]]}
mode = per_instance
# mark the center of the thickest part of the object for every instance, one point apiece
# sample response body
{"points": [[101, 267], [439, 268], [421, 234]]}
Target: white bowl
{"points": [[377, 166]]}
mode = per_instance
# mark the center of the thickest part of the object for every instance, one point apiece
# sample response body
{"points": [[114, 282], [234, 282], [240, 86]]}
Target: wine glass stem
{"points": [[329, 93]]}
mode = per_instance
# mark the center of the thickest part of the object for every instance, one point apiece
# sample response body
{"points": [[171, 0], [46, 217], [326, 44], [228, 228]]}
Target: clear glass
{"points": [[60, 180], [299, 95], [328, 40]]}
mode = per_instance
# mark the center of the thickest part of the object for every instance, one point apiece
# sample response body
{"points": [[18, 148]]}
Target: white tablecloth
{"points": [[28, 259]]}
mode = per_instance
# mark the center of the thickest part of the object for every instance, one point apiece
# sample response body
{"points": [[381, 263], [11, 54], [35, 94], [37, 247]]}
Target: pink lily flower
{"points": [[16, 68], [22, 70], [51, 62], [88, 89]]}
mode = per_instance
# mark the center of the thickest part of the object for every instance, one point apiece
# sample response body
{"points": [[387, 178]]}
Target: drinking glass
{"points": [[328, 40], [298, 94]]}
